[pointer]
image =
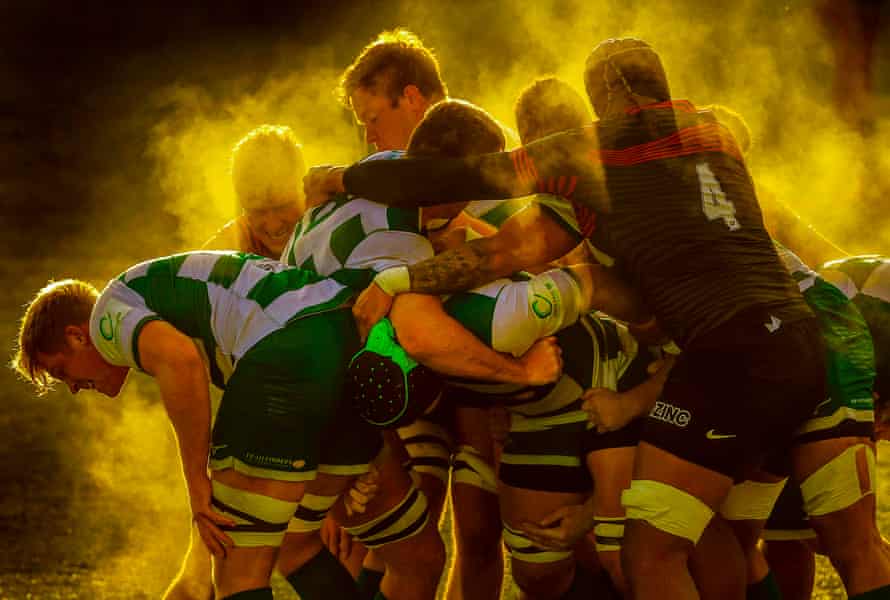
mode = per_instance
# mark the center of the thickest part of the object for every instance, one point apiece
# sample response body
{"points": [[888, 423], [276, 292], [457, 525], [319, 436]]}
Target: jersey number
{"points": [[714, 202]]}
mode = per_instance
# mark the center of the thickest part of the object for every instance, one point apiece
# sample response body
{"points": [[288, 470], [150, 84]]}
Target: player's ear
{"points": [[415, 98], [77, 336]]}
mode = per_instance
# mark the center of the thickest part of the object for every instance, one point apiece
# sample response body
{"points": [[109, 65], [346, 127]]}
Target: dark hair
{"points": [[547, 106], [456, 128]]}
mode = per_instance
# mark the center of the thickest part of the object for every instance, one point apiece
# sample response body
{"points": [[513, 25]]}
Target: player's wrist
{"points": [[396, 280]]}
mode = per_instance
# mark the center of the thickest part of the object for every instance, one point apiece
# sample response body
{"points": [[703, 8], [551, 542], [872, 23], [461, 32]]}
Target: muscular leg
{"points": [[848, 534], [654, 560], [540, 575], [245, 568], [415, 557], [612, 471], [478, 566], [793, 563], [304, 560], [195, 578]]}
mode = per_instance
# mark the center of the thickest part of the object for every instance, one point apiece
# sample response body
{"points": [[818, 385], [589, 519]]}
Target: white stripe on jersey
{"points": [[878, 283], [198, 266]]}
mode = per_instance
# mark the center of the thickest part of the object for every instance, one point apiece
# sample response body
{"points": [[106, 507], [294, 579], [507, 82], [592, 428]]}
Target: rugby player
{"points": [[662, 188], [789, 540], [273, 428], [389, 87], [379, 236], [267, 166], [844, 418], [543, 465]]}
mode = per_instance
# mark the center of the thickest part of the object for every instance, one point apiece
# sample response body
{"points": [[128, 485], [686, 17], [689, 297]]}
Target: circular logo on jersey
{"points": [[541, 306], [106, 326]]}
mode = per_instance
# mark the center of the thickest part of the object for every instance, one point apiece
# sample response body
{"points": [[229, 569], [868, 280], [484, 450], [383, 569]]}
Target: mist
{"points": [[134, 163]]}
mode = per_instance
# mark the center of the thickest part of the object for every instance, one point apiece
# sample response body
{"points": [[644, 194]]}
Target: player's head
{"points": [[624, 72], [267, 174], [389, 87], [454, 129], [735, 123], [54, 341], [547, 106]]}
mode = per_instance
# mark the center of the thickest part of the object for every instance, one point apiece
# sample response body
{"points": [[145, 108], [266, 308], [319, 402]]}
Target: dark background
{"points": [[115, 122]]}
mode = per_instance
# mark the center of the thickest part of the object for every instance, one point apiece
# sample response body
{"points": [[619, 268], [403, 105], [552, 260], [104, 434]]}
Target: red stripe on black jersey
{"points": [[707, 137]]}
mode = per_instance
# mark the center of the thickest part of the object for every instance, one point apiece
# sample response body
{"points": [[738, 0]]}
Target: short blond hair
{"points": [[391, 62], [42, 329], [267, 165]]}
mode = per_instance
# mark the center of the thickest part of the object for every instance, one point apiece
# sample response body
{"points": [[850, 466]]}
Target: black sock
{"points": [[368, 583], [257, 594], [765, 589], [322, 578]]}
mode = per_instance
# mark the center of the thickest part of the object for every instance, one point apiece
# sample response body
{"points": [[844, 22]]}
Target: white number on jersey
{"points": [[714, 202]]}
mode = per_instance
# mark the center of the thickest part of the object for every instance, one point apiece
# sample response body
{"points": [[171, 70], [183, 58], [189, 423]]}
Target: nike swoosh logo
{"points": [[713, 435]]}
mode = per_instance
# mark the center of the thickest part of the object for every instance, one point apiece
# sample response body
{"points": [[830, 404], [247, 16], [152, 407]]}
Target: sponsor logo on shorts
{"points": [[671, 414], [713, 435]]}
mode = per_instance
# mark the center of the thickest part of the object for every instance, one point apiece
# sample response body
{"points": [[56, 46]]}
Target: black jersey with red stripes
{"points": [[663, 189]]}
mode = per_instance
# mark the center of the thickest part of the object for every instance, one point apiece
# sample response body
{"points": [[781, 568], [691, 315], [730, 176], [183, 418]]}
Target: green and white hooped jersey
{"points": [[352, 239], [229, 301], [866, 281], [850, 357]]}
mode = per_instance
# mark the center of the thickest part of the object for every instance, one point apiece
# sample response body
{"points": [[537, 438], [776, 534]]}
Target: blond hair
{"points": [[391, 62], [42, 329], [267, 167]]}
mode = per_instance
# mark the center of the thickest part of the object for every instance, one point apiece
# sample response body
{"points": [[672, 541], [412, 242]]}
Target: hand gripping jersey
{"points": [[229, 301], [662, 189], [866, 281]]}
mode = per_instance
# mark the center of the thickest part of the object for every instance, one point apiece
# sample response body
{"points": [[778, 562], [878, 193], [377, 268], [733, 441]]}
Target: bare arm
{"points": [[437, 340], [171, 357], [530, 237]]}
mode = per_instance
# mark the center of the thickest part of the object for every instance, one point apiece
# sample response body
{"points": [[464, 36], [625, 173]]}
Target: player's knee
{"points": [[543, 580], [405, 520], [259, 520]]}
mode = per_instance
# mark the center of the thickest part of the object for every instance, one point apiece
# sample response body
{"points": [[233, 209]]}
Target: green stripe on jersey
{"points": [[403, 219], [473, 311], [274, 285], [346, 237], [227, 269]]}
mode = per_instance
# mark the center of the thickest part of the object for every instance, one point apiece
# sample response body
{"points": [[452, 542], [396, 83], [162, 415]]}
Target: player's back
{"points": [[352, 239], [228, 300], [678, 212]]}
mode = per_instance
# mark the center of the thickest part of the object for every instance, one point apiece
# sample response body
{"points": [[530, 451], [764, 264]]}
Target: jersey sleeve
{"points": [[116, 321], [526, 311]]}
